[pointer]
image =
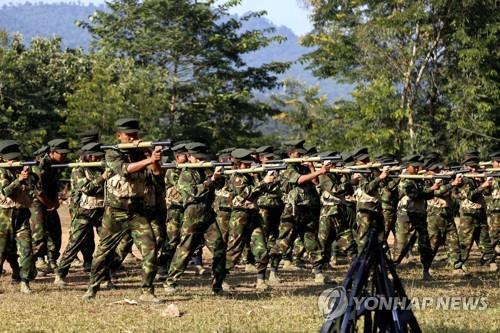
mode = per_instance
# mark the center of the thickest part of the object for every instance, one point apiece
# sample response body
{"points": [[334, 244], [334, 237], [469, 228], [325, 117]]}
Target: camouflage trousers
{"points": [[366, 219], [334, 227], [301, 222], [245, 227], [494, 225], [222, 220], [390, 216], [81, 237], [173, 233], [442, 230], [116, 224], [473, 228], [15, 241], [198, 226], [270, 219], [45, 232], [410, 227], [157, 221]]}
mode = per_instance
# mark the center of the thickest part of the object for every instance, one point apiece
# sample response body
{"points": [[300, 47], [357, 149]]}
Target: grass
{"points": [[291, 307]]}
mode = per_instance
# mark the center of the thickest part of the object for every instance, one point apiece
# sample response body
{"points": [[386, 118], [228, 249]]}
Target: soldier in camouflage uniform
{"points": [[45, 223], [333, 224], [88, 186], [16, 195], [369, 208], [298, 218], [440, 221], [223, 202], [493, 202], [412, 216], [124, 210], [198, 223], [473, 224], [245, 225]]}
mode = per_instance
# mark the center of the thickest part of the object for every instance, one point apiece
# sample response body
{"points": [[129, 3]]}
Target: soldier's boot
{"points": [[89, 295], [426, 275], [109, 285], [274, 278], [320, 278], [59, 281], [25, 288], [288, 265], [162, 274], [87, 266], [149, 297], [493, 267], [262, 285], [16, 277], [42, 267], [200, 270], [250, 268]]}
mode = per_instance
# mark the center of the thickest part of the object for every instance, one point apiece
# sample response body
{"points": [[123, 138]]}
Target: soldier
{"points": [[198, 222], [88, 187], [493, 203], [412, 216], [369, 208], [245, 225], [389, 199], [298, 218], [333, 224], [223, 202], [124, 210], [440, 220], [45, 222], [16, 195], [473, 224]]}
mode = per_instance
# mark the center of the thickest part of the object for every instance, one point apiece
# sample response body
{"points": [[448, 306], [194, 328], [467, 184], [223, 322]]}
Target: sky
{"points": [[280, 12]]}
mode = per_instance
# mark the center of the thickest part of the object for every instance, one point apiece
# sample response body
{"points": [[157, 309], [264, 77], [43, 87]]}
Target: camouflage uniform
{"points": [[441, 225], [299, 216], [175, 212], [389, 198], [493, 210], [46, 225], [88, 187], [245, 223], [270, 208], [473, 225], [412, 219], [222, 206], [124, 213], [198, 221], [156, 210], [15, 233]]}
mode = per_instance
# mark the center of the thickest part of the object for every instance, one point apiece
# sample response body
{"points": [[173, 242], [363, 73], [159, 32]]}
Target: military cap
{"points": [[243, 155], [42, 150], [88, 137], [225, 152], [264, 149], [435, 166], [9, 149], [360, 154], [413, 160], [430, 161], [432, 155], [328, 153], [311, 151], [495, 156], [297, 145], [59, 145], [347, 158], [385, 158], [198, 150], [271, 156], [127, 125], [179, 148], [92, 148], [472, 161]]}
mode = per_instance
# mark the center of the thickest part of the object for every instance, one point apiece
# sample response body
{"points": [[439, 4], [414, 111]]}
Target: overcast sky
{"points": [[281, 12]]}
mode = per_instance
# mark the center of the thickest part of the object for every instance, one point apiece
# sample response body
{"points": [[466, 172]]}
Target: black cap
{"points": [[264, 149], [435, 166], [347, 158], [432, 155], [495, 156], [127, 125], [92, 148], [413, 160], [179, 148], [9, 150], [311, 151], [360, 154], [42, 150], [297, 145], [59, 145], [88, 137], [385, 158], [430, 161], [243, 155], [472, 161]]}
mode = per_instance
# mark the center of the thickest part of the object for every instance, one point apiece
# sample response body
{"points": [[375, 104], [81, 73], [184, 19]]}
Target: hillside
{"points": [[50, 20]]}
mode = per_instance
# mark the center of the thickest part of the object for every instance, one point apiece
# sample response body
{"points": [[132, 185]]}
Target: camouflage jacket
{"points": [[194, 187], [87, 186], [368, 191], [471, 196], [389, 195], [442, 202], [223, 195], [493, 198], [295, 194], [334, 189], [173, 197], [246, 191], [47, 179], [154, 191], [413, 195], [122, 187], [271, 195], [13, 193]]}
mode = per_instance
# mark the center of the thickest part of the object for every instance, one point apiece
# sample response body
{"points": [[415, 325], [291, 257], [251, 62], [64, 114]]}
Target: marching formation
{"points": [[251, 206]]}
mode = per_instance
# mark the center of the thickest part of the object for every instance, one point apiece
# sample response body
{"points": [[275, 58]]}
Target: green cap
{"points": [[360, 154], [297, 145], [243, 155], [225, 152], [59, 145], [92, 148], [88, 137], [385, 158], [179, 148], [311, 151], [127, 125], [198, 150], [264, 149], [9, 150], [413, 160], [42, 150]]}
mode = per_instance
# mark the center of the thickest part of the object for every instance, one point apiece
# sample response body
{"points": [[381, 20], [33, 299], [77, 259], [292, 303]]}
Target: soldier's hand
{"points": [[487, 183], [23, 175], [155, 155], [106, 174], [457, 181], [435, 186], [217, 173], [385, 173], [269, 178], [325, 168]]}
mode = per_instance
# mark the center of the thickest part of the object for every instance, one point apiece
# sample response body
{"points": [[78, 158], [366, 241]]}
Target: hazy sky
{"points": [[281, 12]]}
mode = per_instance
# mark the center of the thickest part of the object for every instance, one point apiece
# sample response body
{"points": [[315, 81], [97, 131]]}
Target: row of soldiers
{"points": [[170, 215]]}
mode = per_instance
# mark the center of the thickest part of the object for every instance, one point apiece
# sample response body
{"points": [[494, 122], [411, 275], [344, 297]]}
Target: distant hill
{"points": [[50, 20]]}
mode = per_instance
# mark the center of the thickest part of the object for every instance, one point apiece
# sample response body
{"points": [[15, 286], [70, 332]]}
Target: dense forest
{"points": [[417, 76]]}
